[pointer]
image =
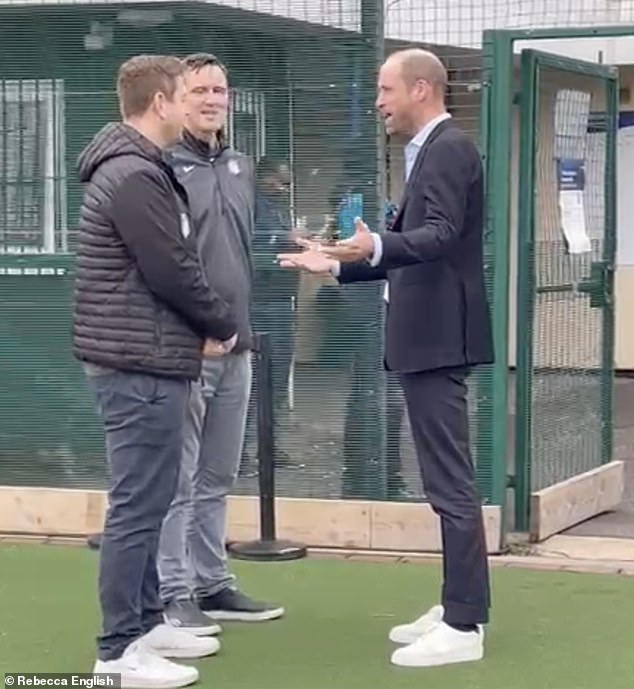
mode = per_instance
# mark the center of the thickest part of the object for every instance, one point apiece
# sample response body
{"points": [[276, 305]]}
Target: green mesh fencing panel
{"points": [[303, 79], [303, 88], [565, 270], [569, 383]]}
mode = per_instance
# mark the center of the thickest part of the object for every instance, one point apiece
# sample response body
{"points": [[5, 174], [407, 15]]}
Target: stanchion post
{"points": [[268, 547], [94, 541]]}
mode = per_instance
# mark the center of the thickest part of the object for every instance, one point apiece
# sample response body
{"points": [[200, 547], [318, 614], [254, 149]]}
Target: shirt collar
{"points": [[423, 134]]}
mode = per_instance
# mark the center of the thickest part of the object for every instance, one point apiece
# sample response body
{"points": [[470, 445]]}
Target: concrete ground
{"points": [[313, 438], [588, 548]]}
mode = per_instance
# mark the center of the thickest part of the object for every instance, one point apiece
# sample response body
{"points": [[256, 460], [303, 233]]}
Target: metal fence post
{"points": [[364, 433], [496, 139]]}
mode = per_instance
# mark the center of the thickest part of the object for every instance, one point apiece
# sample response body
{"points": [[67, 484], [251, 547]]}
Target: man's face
{"points": [[172, 113], [207, 100], [396, 100]]}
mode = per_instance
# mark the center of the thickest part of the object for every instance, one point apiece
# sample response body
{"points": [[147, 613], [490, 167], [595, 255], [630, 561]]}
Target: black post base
{"points": [[268, 551], [94, 541]]}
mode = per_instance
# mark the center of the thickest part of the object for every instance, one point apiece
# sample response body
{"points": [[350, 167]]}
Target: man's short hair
{"points": [[197, 61], [142, 77]]}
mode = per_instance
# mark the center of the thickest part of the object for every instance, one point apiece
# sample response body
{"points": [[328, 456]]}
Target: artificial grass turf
{"points": [[549, 630]]}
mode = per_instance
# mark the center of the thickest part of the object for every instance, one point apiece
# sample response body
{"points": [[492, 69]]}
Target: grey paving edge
{"points": [[533, 562]]}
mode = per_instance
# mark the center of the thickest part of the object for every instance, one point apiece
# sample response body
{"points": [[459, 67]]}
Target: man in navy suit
{"points": [[437, 329]]}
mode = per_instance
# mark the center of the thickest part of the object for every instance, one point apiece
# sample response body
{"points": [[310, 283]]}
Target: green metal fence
{"points": [[303, 79], [568, 113], [301, 92]]}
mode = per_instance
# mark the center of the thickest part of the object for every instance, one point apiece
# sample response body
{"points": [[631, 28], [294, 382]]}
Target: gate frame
{"points": [[498, 101], [526, 287]]}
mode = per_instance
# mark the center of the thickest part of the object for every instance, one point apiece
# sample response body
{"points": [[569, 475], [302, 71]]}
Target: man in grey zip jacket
{"points": [[197, 588]]}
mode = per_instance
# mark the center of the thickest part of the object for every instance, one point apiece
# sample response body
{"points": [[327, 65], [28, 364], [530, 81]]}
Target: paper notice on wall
{"points": [[571, 205]]}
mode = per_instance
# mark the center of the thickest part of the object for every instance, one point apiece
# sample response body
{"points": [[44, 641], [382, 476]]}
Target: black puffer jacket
{"points": [[141, 300]]}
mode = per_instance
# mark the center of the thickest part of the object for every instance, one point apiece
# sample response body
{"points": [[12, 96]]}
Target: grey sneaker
{"points": [[187, 616], [231, 604]]}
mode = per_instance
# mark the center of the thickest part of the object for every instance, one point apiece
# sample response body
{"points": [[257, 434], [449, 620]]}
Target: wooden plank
{"points": [[327, 523], [324, 523], [51, 511], [416, 527], [575, 500], [349, 524], [243, 517]]}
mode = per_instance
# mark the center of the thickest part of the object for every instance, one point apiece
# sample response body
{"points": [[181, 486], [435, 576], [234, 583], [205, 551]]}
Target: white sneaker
{"points": [[408, 633], [169, 642], [443, 645], [140, 669]]}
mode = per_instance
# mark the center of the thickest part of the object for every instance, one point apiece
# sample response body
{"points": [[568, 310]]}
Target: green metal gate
{"points": [[566, 252]]}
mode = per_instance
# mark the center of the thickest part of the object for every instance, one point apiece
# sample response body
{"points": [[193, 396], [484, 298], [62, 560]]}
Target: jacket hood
{"points": [[114, 140]]}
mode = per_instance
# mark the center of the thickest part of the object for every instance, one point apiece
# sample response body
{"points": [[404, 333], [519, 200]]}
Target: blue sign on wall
{"points": [[571, 174]]}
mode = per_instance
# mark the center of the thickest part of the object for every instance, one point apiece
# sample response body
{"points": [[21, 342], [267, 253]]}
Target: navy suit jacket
{"points": [[438, 314]]}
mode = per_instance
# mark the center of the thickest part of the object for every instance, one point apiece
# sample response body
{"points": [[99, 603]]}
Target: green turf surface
{"points": [[549, 630]]}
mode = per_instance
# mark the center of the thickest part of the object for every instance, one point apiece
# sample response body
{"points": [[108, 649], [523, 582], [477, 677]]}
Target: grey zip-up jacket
{"points": [[221, 189]]}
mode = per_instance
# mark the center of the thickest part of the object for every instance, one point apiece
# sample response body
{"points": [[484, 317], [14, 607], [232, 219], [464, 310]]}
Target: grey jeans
{"points": [[143, 418], [192, 555]]}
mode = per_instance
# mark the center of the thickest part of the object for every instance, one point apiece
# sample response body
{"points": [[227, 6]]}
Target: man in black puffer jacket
{"points": [[143, 315]]}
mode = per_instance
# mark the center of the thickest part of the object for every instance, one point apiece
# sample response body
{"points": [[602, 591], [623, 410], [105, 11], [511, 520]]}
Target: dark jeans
{"points": [[143, 417]]}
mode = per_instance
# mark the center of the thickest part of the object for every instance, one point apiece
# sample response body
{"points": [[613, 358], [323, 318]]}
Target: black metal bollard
{"points": [[94, 541], [268, 547]]}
